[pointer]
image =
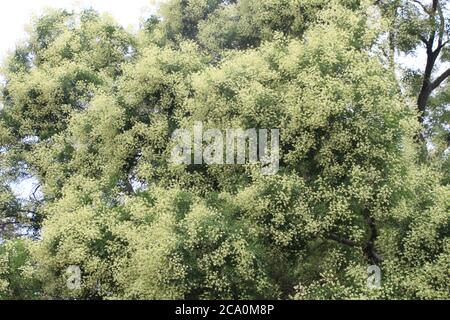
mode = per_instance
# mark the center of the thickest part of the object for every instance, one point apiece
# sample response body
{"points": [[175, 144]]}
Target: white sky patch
{"points": [[23, 189], [16, 14]]}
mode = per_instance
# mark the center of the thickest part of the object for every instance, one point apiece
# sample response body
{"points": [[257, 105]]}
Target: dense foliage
{"points": [[89, 109]]}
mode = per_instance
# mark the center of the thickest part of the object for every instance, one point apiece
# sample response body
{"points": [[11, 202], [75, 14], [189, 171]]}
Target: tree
{"points": [[423, 25], [16, 272], [89, 111]]}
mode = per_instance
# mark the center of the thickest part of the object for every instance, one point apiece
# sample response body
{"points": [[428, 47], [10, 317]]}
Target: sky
{"points": [[16, 14]]}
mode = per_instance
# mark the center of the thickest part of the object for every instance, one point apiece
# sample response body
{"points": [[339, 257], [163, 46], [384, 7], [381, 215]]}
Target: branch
{"points": [[422, 6], [34, 192], [432, 15], [436, 83], [435, 5], [442, 45], [347, 242], [4, 224], [369, 248], [441, 27], [129, 188], [425, 41]]}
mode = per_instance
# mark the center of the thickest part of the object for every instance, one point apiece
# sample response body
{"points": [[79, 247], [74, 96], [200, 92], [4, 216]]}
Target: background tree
{"points": [[423, 27]]}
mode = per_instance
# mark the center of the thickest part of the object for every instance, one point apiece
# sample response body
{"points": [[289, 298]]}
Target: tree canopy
{"points": [[89, 109]]}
